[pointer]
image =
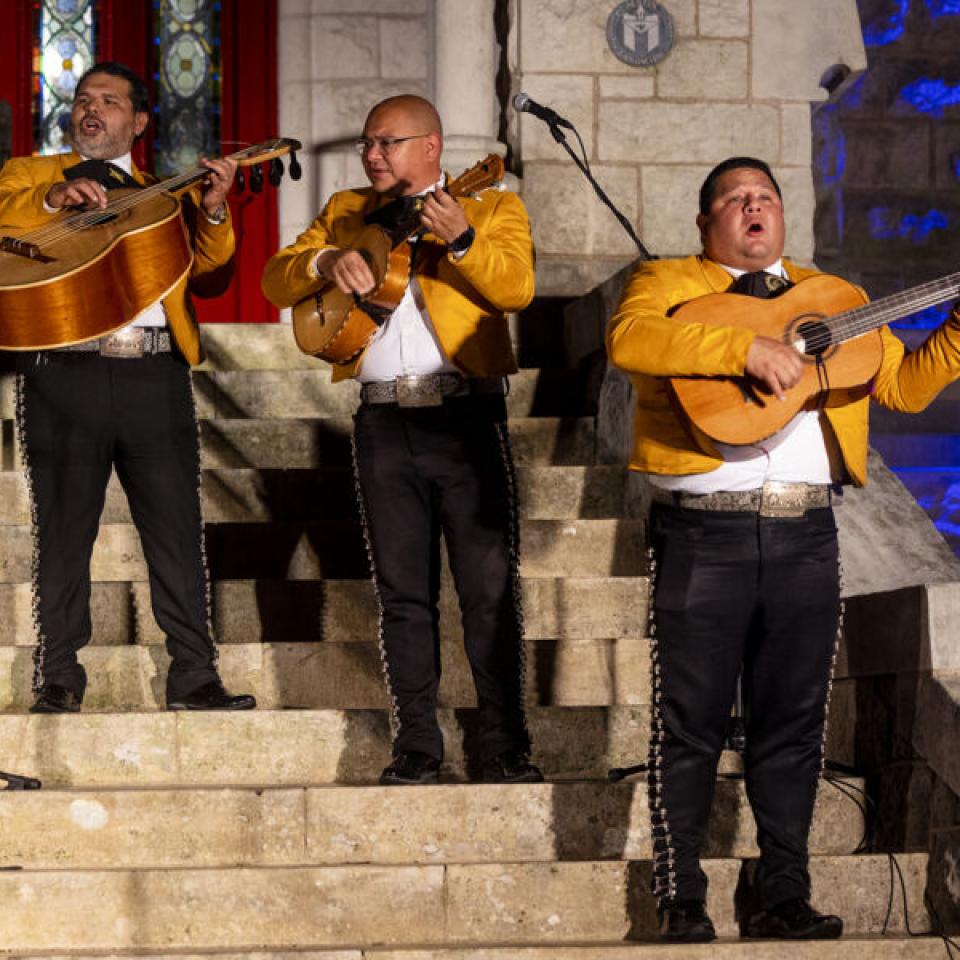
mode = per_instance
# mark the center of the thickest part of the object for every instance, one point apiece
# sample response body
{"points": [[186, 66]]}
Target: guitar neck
{"points": [[861, 320]]}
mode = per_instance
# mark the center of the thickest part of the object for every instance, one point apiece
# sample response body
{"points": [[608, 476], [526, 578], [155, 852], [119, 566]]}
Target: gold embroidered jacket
{"points": [[24, 182], [467, 299], [651, 346]]}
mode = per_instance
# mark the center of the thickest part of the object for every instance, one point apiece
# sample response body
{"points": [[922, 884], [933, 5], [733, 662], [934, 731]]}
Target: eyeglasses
{"points": [[386, 145]]}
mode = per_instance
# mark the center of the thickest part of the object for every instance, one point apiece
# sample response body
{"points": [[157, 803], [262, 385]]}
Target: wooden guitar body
{"points": [[736, 410], [336, 326], [84, 273], [95, 280]]}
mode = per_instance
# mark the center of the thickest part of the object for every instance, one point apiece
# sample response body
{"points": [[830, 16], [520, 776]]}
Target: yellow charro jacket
{"points": [[651, 346], [467, 299], [24, 182]]}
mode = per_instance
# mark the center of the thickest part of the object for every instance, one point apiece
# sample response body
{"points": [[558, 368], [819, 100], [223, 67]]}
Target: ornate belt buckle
{"points": [[417, 390], [124, 344], [783, 501]]}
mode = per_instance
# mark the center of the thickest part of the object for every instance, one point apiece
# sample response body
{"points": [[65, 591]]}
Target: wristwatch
{"points": [[218, 216], [460, 245]]}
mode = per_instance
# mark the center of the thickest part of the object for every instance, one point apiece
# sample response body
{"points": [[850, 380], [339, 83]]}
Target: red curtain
{"points": [[248, 31]]}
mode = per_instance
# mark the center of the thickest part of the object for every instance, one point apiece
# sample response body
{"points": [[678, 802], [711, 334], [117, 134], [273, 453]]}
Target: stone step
{"points": [[339, 611], [317, 676], [311, 747], [246, 495], [849, 948], [323, 442], [300, 394], [336, 550], [541, 904], [291, 747], [453, 823]]}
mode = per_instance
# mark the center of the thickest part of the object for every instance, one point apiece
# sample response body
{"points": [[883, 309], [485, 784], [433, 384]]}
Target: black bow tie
{"points": [[760, 284], [107, 174]]}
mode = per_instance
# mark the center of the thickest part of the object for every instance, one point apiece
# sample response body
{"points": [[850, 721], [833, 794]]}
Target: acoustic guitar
{"points": [[824, 318], [337, 326], [86, 273]]}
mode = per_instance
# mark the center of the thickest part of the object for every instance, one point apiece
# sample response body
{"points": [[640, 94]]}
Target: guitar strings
{"points": [[63, 228], [853, 323]]}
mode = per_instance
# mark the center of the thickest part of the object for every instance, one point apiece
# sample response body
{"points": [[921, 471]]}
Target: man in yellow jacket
{"points": [[745, 563], [123, 401], [431, 449]]}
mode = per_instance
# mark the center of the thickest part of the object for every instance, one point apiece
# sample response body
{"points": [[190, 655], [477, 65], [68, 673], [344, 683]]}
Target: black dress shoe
{"points": [[511, 766], [686, 921], [212, 696], [792, 920], [53, 698], [410, 768]]}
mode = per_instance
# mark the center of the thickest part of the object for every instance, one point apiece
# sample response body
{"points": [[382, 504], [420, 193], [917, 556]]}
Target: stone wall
{"points": [[740, 79]]}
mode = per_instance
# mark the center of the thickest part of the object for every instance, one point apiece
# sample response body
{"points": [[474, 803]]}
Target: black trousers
{"points": [[423, 471], [738, 590], [81, 415]]}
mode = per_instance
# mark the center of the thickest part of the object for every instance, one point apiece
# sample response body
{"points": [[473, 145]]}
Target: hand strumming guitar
{"points": [[774, 364]]}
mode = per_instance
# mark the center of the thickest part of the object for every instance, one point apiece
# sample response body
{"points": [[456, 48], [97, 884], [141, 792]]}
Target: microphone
{"points": [[524, 104]]}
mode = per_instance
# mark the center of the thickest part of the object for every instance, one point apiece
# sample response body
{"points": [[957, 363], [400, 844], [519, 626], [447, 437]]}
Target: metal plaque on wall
{"points": [[640, 32]]}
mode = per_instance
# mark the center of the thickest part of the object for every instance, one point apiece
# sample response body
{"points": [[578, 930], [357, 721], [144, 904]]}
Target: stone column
{"points": [[465, 70]]}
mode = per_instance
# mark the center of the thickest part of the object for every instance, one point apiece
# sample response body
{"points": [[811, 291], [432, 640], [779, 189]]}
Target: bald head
{"points": [[418, 111], [402, 143]]}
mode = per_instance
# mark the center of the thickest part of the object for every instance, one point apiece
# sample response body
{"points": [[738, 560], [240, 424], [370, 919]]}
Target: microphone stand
{"points": [[558, 135]]}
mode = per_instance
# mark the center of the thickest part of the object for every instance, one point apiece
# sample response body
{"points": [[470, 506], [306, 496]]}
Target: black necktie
{"points": [[760, 284]]}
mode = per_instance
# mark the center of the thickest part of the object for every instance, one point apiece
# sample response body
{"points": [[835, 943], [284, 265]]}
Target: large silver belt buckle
{"points": [[782, 501], [418, 390], [124, 344]]}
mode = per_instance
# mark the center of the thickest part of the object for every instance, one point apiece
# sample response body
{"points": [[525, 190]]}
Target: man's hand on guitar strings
{"points": [[218, 182], [443, 216], [348, 270], [82, 192], [775, 365]]}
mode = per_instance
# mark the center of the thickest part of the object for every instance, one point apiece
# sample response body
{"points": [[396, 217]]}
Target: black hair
{"points": [[709, 188], [139, 95]]}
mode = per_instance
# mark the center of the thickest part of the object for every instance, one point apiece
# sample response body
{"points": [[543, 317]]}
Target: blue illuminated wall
{"points": [[887, 170]]}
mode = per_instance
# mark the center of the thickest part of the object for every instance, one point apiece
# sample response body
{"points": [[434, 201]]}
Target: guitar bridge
{"points": [[22, 248]]}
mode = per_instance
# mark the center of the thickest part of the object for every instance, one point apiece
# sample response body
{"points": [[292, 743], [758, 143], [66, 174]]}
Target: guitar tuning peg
{"points": [[241, 180], [296, 171], [256, 178], [275, 172]]}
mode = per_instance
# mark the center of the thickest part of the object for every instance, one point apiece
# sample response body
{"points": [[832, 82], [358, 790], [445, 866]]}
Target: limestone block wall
{"points": [[336, 59], [740, 79]]}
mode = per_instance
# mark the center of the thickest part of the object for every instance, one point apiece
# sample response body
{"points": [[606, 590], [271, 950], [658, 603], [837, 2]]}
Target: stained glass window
{"points": [[63, 51], [187, 38]]}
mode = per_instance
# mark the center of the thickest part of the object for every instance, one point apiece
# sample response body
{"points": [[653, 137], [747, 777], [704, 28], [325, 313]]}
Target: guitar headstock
{"points": [[486, 173], [262, 152], [269, 151]]}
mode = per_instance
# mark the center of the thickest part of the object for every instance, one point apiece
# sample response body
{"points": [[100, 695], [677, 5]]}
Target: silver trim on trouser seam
{"points": [[513, 519], [664, 876], [208, 596], [39, 652], [833, 666], [394, 715]]}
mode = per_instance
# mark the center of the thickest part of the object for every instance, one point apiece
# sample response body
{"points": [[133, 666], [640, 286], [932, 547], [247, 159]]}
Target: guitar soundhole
{"points": [[816, 335]]}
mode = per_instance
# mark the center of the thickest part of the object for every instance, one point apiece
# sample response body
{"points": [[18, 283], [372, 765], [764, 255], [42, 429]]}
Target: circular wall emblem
{"points": [[640, 32]]}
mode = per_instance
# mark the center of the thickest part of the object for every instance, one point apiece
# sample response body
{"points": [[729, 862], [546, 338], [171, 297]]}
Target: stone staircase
{"points": [[263, 834]]}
